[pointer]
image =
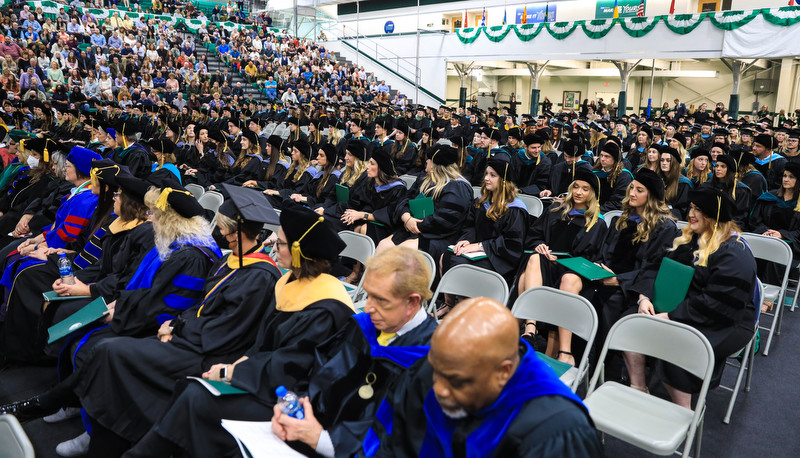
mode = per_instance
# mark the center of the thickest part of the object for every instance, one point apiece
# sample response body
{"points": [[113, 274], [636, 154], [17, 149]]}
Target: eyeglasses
{"points": [[279, 243]]}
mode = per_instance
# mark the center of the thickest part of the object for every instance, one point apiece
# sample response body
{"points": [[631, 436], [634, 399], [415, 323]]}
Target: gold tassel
{"points": [[46, 153], [124, 140], [297, 253], [704, 257], [162, 203], [93, 177], [22, 145]]}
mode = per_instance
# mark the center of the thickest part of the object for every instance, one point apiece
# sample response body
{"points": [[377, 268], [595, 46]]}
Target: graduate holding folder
{"points": [[573, 227], [719, 302], [496, 224], [634, 246]]}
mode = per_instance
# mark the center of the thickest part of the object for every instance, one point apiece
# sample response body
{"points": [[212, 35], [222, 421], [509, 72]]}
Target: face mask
{"points": [[33, 162]]}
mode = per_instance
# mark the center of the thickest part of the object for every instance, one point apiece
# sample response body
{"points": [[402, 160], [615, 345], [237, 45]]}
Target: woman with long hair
{"points": [[404, 151], [638, 151], [634, 246], [614, 177], [300, 173], [726, 180], [273, 171], [320, 192], [652, 158], [698, 170], [568, 228], [678, 142], [496, 225], [721, 309], [451, 195], [676, 186]]}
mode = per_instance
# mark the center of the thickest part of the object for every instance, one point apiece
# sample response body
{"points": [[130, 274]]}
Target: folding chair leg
{"points": [[699, 438], [735, 392], [773, 328], [750, 363]]}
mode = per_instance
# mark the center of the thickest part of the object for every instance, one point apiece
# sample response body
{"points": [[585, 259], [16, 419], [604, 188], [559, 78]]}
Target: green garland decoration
{"points": [[492, 35], [561, 30], [732, 20], [469, 34], [786, 16], [684, 23], [598, 28], [639, 26], [527, 32]]}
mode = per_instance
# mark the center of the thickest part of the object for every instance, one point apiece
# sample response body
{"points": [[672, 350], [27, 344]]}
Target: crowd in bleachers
{"points": [[106, 123]]}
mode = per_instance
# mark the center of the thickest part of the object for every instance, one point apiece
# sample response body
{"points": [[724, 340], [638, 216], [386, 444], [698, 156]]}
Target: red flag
{"points": [[640, 11], [524, 15], [466, 16], [791, 2], [672, 7]]}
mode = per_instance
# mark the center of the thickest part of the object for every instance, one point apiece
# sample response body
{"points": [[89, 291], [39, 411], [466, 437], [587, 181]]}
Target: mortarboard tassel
{"points": [[297, 253]]}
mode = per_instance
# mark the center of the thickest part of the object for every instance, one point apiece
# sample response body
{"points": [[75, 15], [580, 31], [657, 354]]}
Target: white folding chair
{"points": [[470, 281], [269, 129], [641, 419], [431, 264], [14, 443], [409, 180], [476, 191], [534, 204], [775, 250], [211, 200], [360, 248], [748, 352], [196, 190], [565, 310], [609, 215]]}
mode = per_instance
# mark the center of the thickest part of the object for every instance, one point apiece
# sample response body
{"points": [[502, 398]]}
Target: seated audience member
{"points": [[563, 172], [533, 166], [310, 307], [719, 302], [676, 186], [634, 246], [574, 227], [614, 177], [495, 226], [485, 393], [725, 180], [699, 168], [392, 334]]}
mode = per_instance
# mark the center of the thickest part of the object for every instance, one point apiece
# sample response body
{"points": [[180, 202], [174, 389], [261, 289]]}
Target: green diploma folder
{"points": [[90, 313], [672, 284], [342, 193], [52, 296], [585, 268], [559, 367], [421, 207], [218, 388]]}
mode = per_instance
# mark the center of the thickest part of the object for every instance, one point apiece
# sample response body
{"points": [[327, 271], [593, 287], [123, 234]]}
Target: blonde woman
{"points": [[678, 142], [721, 309], [404, 152], [698, 170], [676, 186], [451, 195], [300, 173], [636, 242], [573, 227]]}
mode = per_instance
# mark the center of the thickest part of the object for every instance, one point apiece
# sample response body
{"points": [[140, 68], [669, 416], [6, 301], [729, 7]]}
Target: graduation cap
{"points": [[357, 149], [183, 202], [134, 187], [515, 132], [303, 147], [309, 235], [247, 207], [443, 155], [105, 170], [650, 180], [721, 132], [383, 159], [44, 146], [165, 178], [82, 158]]}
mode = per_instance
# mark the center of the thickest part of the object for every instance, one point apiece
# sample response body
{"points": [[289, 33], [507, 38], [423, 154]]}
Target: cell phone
{"points": [[223, 373]]}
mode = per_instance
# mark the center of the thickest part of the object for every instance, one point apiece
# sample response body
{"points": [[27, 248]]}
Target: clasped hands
{"points": [[464, 246]]}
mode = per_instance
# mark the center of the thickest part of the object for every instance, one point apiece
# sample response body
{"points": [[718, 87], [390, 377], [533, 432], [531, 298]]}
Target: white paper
{"points": [[258, 439]]}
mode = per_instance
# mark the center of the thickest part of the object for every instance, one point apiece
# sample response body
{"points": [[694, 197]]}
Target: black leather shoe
{"points": [[27, 409]]}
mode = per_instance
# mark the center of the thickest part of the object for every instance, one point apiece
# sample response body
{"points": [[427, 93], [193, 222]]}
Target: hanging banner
{"points": [[626, 8], [537, 13]]}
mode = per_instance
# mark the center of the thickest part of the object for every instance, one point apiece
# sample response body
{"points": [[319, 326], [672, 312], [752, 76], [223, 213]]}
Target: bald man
{"points": [[484, 390]]}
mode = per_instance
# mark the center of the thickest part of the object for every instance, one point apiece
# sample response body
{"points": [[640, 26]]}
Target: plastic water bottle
{"points": [[65, 269], [290, 403]]}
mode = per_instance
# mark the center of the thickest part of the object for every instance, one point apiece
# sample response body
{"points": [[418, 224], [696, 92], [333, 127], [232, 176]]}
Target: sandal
{"points": [[443, 310], [643, 389], [767, 306], [538, 342], [561, 352]]}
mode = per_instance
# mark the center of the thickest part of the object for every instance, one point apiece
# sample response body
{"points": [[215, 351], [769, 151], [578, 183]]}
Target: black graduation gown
{"points": [[117, 393], [295, 186], [325, 197], [502, 240], [772, 212], [611, 195], [278, 176], [772, 170], [138, 160], [756, 182], [743, 201], [25, 335], [719, 303], [282, 355], [534, 175], [14, 203], [405, 158], [546, 426], [562, 176], [680, 203], [636, 266], [442, 228], [359, 198], [563, 235], [340, 369]]}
